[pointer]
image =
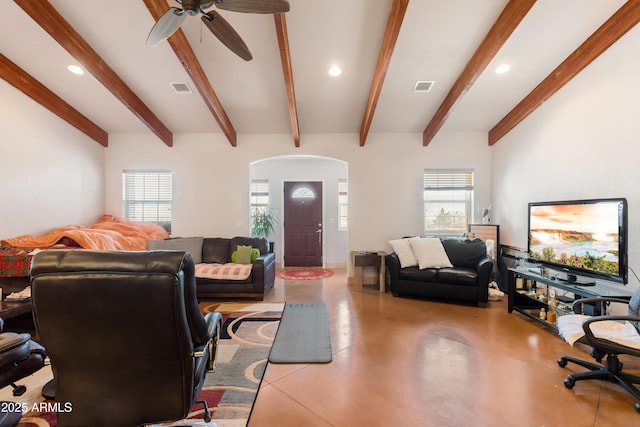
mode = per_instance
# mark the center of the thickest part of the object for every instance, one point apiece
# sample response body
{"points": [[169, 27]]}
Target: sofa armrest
{"points": [[484, 270], [393, 266], [264, 272]]}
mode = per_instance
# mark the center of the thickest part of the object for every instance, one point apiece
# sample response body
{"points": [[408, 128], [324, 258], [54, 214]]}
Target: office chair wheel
{"points": [[569, 382], [562, 362]]}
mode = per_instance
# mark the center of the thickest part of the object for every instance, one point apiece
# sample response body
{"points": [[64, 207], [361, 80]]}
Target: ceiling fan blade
{"points": [[226, 34], [254, 6], [166, 25]]}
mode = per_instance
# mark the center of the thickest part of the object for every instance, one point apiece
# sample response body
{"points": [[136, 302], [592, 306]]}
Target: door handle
{"points": [[319, 231]]}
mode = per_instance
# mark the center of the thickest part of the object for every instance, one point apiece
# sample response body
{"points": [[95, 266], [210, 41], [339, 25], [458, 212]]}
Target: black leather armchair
{"points": [[127, 342], [19, 357], [605, 344]]}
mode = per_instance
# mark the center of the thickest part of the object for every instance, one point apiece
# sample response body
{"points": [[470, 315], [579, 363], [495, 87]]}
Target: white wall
{"points": [[52, 175], [583, 143], [385, 177]]}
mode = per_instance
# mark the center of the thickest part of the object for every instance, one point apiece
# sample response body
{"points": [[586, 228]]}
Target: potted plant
{"points": [[262, 223]]}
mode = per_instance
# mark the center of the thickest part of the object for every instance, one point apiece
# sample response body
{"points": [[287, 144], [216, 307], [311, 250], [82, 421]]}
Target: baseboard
{"points": [[336, 265], [329, 265]]}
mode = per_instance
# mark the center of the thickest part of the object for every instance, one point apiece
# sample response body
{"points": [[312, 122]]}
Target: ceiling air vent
{"points": [[423, 85], [181, 87]]}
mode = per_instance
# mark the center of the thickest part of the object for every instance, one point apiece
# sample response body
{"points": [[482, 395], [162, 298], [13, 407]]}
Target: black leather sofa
{"points": [[467, 281], [218, 250]]}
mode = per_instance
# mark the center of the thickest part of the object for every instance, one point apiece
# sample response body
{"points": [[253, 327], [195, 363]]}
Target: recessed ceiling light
{"points": [[335, 71], [503, 68], [75, 69]]}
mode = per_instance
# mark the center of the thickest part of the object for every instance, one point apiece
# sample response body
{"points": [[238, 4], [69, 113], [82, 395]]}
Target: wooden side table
{"points": [[368, 259], [11, 309]]}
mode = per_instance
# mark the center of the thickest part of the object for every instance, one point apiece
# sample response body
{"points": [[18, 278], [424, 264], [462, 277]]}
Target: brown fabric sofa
{"points": [[218, 250]]}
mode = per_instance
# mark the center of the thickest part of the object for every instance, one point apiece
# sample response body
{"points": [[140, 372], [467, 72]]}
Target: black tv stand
{"points": [[525, 289], [573, 280]]}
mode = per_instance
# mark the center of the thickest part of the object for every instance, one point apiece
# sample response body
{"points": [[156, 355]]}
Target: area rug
{"points": [[303, 273], [303, 335], [230, 391]]}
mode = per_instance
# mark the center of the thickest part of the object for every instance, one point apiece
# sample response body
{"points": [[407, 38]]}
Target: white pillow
{"points": [[403, 249], [429, 252]]}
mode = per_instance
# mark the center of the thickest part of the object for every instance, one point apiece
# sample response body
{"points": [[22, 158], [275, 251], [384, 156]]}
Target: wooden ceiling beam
{"points": [[615, 27], [31, 87], [511, 16], [394, 23], [45, 15], [287, 72], [186, 55]]}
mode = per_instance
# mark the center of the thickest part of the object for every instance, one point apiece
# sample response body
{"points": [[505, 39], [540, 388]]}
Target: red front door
{"points": [[303, 224]]}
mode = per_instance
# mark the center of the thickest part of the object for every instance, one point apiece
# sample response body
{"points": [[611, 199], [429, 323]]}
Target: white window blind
{"points": [[343, 204], [448, 199], [147, 195], [259, 195]]}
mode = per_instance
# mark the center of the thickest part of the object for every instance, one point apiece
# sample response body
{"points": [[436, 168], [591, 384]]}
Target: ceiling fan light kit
{"points": [[173, 18]]}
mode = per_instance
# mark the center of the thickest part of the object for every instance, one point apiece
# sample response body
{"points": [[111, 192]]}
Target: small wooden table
{"points": [[10, 309], [368, 259]]}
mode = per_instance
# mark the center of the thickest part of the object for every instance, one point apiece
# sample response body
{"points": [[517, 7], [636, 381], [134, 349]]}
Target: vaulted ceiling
{"points": [[383, 47]]}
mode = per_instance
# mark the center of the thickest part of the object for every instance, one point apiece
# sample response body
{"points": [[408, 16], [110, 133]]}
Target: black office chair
{"points": [[127, 342], [19, 358], [603, 344]]}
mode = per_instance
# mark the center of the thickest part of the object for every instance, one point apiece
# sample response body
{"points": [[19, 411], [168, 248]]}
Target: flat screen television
{"points": [[581, 237]]}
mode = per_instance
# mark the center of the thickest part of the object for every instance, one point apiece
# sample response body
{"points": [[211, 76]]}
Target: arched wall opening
{"points": [[278, 170]]}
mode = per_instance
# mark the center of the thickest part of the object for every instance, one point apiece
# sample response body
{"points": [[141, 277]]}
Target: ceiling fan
{"points": [[173, 18]]}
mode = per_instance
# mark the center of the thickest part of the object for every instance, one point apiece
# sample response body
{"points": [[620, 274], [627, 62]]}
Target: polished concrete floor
{"points": [[409, 362]]}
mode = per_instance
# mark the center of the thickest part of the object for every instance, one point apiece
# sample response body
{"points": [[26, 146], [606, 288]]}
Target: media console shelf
{"points": [[529, 292]]}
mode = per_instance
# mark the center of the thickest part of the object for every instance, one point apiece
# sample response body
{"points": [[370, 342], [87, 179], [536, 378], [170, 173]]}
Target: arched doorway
{"points": [[332, 174]]}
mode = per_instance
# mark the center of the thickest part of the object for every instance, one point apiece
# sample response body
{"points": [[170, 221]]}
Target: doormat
{"points": [[303, 335], [304, 273]]}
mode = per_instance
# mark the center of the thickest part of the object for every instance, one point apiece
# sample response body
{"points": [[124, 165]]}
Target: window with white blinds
{"points": [[259, 195], [147, 195], [448, 200], [343, 204]]}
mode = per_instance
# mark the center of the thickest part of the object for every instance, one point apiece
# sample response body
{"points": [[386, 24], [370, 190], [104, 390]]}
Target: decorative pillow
{"points": [[216, 250], [193, 245], [429, 252], [465, 253], [403, 249], [255, 253], [244, 254]]}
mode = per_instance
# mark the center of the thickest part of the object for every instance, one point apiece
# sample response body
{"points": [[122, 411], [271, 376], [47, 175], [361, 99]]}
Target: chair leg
{"points": [[585, 364], [627, 382], [207, 414], [611, 372], [18, 390]]}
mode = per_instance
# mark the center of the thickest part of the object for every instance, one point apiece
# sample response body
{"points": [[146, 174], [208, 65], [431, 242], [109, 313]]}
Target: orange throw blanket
{"points": [[109, 233]]}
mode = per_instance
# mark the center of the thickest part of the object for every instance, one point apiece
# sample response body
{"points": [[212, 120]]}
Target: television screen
{"points": [[582, 237]]}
